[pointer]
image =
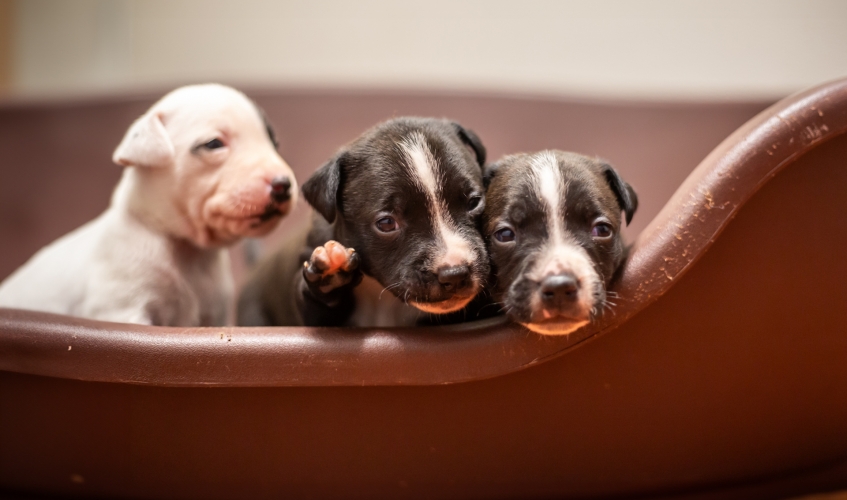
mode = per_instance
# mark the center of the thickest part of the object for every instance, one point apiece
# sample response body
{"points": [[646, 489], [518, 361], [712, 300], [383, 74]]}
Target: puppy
{"points": [[202, 172], [395, 238], [552, 222]]}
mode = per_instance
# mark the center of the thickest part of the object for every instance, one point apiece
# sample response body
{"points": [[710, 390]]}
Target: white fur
{"points": [[558, 254], [156, 255], [550, 188], [455, 249]]}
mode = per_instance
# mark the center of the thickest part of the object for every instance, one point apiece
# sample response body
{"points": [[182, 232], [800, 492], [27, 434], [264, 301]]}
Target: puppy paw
{"points": [[332, 266]]}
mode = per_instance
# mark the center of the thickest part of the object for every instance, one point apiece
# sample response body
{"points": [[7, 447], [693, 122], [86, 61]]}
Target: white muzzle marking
{"points": [[454, 249], [559, 255]]}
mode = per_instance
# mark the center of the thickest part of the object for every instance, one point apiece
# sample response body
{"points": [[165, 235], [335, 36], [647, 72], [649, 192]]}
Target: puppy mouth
{"points": [[230, 226], [445, 306], [557, 325], [554, 321], [272, 211]]}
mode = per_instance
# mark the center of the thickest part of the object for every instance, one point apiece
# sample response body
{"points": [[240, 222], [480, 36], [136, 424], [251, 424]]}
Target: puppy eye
{"points": [[602, 230], [504, 235], [387, 225], [214, 144], [473, 202]]}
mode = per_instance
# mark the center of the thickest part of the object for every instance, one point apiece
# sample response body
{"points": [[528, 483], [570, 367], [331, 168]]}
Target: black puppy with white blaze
{"points": [[395, 239], [552, 221]]}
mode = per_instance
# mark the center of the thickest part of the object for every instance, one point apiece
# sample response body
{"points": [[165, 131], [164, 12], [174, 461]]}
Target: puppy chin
{"points": [[556, 326], [546, 322], [443, 307], [230, 230], [227, 226]]}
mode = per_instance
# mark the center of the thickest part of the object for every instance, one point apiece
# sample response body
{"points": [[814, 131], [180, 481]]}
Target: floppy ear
{"points": [[146, 144], [489, 172], [471, 140], [627, 199], [321, 190], [269, 129]]}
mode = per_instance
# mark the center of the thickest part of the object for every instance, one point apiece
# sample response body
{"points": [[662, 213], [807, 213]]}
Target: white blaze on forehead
{"points": [[558, 255], [423, 164], [551, 190], [424, 170]]}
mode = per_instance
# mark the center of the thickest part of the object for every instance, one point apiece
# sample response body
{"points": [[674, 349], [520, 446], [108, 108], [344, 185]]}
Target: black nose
{"points": [[559, 290], [453, 278], [281, 189]]}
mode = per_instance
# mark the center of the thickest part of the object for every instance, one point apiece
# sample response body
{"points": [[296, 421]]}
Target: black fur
{"points": [[472, 141], [594, 190], [321, 190], [627, 199], [369, 179]]}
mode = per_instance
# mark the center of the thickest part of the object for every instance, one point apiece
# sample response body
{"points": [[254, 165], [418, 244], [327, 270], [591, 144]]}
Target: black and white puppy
{"points": [[396, 239], [552, 221]]}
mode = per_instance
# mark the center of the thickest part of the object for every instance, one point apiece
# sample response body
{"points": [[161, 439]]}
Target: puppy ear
{"points": [[472, 141], [269, 129], [146, 144], [627, 199], [489, 172], [321, 190]]}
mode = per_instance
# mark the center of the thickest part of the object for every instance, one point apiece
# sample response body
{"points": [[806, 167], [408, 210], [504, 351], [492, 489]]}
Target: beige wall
{"points": [[6, 39], [723, 49]]}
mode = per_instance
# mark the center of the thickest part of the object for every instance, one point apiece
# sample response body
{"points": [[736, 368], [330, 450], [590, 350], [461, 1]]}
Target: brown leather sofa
{"points": [[721, 373]]}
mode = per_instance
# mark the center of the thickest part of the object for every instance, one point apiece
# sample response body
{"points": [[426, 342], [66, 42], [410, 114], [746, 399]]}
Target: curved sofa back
{"points": [[57, 158]]}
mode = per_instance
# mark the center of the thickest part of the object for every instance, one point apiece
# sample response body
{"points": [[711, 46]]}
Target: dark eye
{"points": [[473, 202], [504, 235], [601, 230], [387, 224], [214, 144]]}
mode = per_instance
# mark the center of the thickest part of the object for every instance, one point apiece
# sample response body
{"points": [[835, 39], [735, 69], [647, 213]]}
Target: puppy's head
{"points": [[407, 195], [552, 222], [206, 166]]}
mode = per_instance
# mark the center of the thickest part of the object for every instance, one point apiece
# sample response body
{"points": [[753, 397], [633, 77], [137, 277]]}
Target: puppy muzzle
{"points": [[279, 201], [253, 208], [448, 289], [280, 189], [559, 304]]}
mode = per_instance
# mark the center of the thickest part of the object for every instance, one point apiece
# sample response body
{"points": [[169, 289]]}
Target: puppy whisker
{"points": [[379, 297], [493, 304]]}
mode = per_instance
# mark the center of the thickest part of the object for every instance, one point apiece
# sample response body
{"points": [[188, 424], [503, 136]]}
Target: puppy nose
{"points": [[453, 278], [559, 290], [281, 189]]}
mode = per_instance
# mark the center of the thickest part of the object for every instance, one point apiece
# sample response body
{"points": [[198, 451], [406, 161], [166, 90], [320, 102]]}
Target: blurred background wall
{"points": [[638, 54], [627, 49]]}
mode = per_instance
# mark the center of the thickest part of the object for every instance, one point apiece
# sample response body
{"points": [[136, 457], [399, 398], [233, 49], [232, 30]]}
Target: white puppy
{"points": [[203, 171]]}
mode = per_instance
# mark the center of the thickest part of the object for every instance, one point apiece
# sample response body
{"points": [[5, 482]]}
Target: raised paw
{"points": [[332, 266]]}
